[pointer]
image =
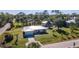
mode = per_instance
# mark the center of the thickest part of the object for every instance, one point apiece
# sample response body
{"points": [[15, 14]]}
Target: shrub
{"points": [[70, 37], [76, 32], [64, 37], [74, 36], [33, 45], [8, 38], [62, 32]]}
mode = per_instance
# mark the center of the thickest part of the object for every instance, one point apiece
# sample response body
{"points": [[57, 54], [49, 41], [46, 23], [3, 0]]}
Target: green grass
{"points": [[21, 41], [48, 38], [18, 24], [53, 36]]}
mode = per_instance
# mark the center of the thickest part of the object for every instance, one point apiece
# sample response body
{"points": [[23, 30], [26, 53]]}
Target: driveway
{"points": [[3, 29], [32, 39]]}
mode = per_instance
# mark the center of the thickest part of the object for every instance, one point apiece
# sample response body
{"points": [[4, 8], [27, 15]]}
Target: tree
{"points": [[37, 18], [77, 22], [60, 23], [21, 18], [74, 14], [72, 26], [45, 15], [5, 18], [56, 11]]}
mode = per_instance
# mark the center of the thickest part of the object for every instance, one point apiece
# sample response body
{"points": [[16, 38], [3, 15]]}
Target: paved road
{"points": [[3, 29], [66, 44]]}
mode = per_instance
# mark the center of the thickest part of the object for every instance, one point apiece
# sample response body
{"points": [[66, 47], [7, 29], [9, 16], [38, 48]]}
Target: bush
{"points": [[8, 38], [62, 32], [33, 45], [17, 25], [77, 35], [76, 32], [70, 37], [56, 34], [74, 36], [64, 37]]}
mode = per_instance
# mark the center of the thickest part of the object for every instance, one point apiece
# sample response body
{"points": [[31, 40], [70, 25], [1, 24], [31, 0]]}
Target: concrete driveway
{"points": [[32, 39], [3, 29]]}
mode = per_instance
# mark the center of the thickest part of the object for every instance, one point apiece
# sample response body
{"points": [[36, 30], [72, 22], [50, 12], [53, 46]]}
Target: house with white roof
{"points": [[47, 24], [72, 20], [30, 31]]}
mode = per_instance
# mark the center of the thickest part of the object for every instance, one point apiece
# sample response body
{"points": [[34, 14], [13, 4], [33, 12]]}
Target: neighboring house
{"points": [[70, 22], [31, 21], [73, 20], [30, 31], [47, 24]]}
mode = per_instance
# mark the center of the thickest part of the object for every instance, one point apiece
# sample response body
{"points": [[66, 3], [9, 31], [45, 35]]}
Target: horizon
{"points": [[34, 11]]}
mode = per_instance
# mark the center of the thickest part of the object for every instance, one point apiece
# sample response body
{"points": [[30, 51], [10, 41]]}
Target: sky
{"points": [[33, 11]]}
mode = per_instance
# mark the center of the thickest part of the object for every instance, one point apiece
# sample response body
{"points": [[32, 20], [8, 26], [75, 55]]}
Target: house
{"points": [[72, 20], [47, 24], [31, 21], [30, 31]]}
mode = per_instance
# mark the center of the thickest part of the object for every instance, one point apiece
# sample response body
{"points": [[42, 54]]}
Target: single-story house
{"points": [[71, 21], [30, 31], [47, 24], [31, 21]]}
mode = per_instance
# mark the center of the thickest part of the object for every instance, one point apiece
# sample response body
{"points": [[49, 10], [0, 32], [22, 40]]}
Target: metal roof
{"points": [[33, 28], [69, 21], [44, 21]]}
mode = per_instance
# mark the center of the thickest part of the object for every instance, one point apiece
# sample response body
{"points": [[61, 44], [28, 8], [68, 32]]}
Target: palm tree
{"points": [[74, 14], [45, 14], [37, 18]]}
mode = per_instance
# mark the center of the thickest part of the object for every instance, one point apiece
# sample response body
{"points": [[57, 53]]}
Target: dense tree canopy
{"points": [[37, 18]]}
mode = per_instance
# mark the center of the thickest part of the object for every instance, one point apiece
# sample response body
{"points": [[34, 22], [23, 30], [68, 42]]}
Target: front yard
{"points": [[21, 41], [54, 36]]}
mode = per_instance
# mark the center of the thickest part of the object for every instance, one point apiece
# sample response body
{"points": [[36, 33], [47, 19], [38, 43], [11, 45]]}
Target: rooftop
{"points": [[69, 21], [33, 28], [44, 21]]}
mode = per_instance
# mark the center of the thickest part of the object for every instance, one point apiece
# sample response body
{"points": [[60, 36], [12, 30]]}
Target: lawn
{"points": [[21, 41], [54, 36]]}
